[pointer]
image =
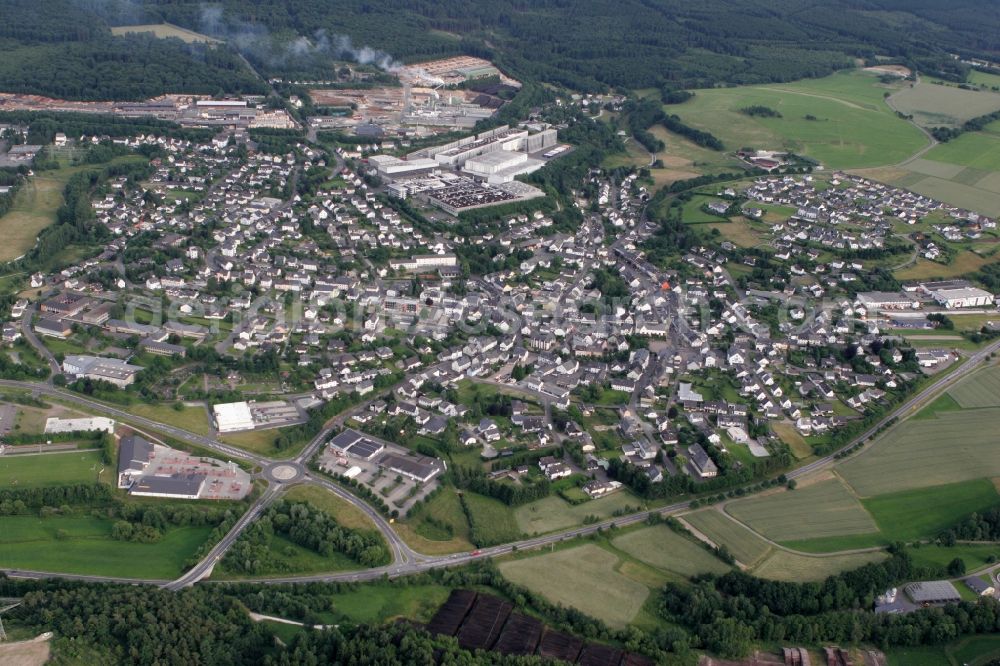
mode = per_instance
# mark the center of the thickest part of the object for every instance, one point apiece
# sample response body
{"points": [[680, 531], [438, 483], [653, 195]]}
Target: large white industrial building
{"points": [[963, 297], [232, 417]]}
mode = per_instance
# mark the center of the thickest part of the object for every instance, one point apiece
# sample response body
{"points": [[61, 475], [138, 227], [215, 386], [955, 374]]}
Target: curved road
{"points": [[404, 560]]}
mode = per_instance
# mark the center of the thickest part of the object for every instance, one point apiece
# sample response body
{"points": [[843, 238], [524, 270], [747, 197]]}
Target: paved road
{"points": [[405, 560], [29, 334]]}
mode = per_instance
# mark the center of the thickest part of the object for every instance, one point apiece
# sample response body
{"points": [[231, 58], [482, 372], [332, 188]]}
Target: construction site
{"points": [[427, 98]]}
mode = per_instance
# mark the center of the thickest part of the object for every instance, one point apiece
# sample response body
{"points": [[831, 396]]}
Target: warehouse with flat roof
{"points": [[232, 417], [933, 593]]}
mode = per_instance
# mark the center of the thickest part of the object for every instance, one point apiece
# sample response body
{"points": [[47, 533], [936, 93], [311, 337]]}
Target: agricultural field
{"points": [[783, 565], [924, 512], [585, 577], [964, 171], [662, 548], [955, 446], [745, 546], [853, 126], [554, 513], [982, 389], [165, 31], [933, 105], [52, 469], [83, 545], [822, 509]]}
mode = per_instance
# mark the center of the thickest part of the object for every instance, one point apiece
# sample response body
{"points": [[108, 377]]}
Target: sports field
{"points": [[852, 126], [83, 545], [661, 547], [982, 389], [163, 31], [584, 577], [924, 512], [52, 469], [554, 513], [933, 105], [955, 446], [819, 510], [745, 546]]}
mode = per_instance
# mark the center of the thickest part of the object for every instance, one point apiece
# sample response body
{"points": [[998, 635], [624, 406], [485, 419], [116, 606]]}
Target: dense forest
{"points": [[583, 44], [60, 49], [595, 43]]}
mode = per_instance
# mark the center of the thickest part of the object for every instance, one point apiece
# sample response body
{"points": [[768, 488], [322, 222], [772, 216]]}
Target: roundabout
{"points": [[284, 472]]}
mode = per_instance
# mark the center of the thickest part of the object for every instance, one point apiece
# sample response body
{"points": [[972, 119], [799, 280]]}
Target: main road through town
{"points": [[404, 559]]}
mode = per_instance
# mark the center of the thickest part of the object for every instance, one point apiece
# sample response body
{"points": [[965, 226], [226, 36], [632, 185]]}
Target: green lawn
{"points": [[380, 603], [853, 127], [974, 555], [52, 469], [192, 419], [83, 545], [925, 512], [969, 651]]}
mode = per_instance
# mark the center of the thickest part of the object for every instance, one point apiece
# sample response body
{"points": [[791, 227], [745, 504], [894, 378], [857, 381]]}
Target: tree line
{"points": [[305, 526]]}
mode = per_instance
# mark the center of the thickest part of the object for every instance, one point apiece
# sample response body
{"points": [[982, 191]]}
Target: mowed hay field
{"points": [[933, 105], [34, 209], [164, 31], [783, 565], [982, 389], [584, 577], [955, 446], [745, 546], [822, 509], [853, 128], [554, 513], [661, 547]]}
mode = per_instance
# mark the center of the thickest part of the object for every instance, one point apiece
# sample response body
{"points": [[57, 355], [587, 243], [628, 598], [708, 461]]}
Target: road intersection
{"points": [[283, 474]]}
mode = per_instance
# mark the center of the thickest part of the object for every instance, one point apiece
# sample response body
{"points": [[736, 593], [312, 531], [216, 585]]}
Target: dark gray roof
{"points": [[169, 485], [134, 453]]}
